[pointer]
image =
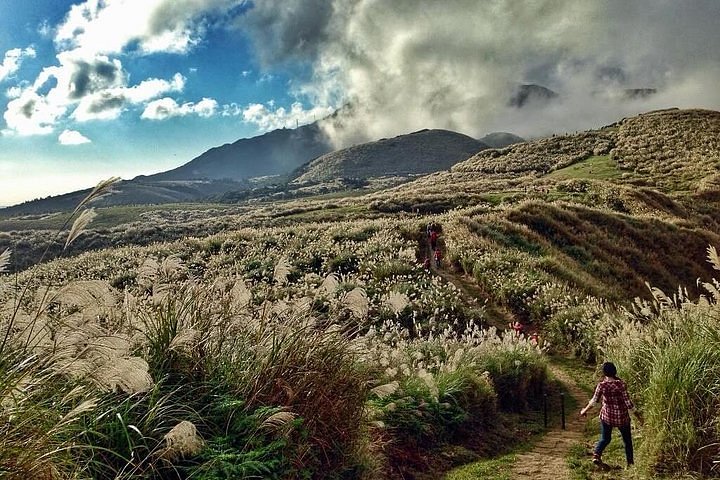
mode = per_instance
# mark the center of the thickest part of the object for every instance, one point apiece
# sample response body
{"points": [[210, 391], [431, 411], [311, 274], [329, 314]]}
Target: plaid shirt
{"points": [[615, 402]]}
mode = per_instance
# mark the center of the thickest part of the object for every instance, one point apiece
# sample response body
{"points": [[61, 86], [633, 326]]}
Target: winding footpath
{"points": [[548, 459]]}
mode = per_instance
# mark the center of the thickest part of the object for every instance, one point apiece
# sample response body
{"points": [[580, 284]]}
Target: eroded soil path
{"points": [[548, 459]]}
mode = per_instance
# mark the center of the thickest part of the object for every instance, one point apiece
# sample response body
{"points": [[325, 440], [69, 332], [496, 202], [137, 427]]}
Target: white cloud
{"points": [[154, 87], [13, 92], [107, 27], [13, 59], [94, 89], [273, 118], [31, 114], [165, 108], [72, 137]]}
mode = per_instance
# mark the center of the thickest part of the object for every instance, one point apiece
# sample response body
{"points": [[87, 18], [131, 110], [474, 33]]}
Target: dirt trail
{"points": [[547, 460]]}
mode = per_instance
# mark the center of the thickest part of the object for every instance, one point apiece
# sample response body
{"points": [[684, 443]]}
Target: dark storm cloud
{"points": [[88, 78], [410, 64], [28, 109], [287, 30], [105, 102]]}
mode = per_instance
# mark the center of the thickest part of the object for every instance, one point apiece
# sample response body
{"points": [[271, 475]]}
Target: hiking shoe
{"points": [[597, 460]]}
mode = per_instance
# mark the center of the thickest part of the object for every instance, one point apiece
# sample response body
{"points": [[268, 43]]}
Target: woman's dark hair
{"points": [[609, 369]]}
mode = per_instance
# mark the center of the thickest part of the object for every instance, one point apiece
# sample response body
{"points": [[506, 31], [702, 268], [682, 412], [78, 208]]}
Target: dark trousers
{"points": [[606, 436]]}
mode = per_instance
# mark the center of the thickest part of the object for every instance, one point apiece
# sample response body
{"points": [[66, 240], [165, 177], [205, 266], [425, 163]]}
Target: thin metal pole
{"points": [[562, 409]]}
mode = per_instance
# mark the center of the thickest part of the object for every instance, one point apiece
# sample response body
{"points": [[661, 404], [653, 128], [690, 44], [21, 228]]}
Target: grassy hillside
{"points": [[305, 338], [416, 153]]}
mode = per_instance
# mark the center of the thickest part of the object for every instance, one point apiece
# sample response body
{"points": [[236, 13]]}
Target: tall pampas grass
{"points": [[668, 350]]}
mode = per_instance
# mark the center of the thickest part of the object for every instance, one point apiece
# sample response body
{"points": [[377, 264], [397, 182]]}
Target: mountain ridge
{"points": [[416, 153]]}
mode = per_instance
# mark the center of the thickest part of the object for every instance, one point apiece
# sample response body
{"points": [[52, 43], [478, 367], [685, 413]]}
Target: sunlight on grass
{"points": [[493, 469], [595, 168]]}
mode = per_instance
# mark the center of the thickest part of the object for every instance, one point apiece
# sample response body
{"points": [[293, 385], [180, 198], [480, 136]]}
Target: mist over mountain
{"points": [[453, 65]]}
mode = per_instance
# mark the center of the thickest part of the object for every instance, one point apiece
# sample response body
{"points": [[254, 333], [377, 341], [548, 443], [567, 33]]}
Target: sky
{"points": [[99, 88]]}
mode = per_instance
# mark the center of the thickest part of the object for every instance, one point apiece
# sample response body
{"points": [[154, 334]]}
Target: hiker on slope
{"points": [[616, 405]]}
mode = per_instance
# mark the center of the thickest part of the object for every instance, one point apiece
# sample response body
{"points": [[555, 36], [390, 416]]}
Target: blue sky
{"points": [[96, 88]]}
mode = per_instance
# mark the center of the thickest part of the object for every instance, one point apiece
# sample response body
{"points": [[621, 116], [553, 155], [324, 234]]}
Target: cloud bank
{"points": [[411, 64], [89, 81]]}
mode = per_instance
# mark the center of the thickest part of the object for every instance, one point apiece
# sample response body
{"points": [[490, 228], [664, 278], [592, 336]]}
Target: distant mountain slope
{"points": [[420, 152], [274, 153], [501, 139], [130, 192], [215, 172]]}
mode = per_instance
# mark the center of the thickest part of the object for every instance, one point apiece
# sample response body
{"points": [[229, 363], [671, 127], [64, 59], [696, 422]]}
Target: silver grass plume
{"points": [[101, 189], [383, 391], [397, 301], [147, 272], [713, 257], [84, 407], [278, 421], [185, 341], [240, 295], [357, 302], [182, 441], [5, 260], [330, 284], [127, 374], [172, 267], [79, 225], [85, 294], [282, 270]]}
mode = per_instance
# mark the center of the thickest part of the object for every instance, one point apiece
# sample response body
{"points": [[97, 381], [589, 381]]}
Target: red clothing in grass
{"points": [[615, 402]]}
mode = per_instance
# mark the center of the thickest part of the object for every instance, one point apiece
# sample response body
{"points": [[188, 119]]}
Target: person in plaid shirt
{"points": [[615, 412]]}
